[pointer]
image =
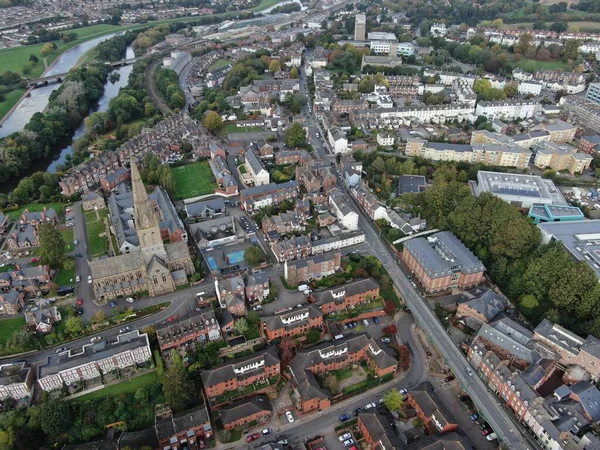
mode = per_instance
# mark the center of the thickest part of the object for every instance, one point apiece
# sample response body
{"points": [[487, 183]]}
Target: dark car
{"points": [[484, 425], [344, 417], [253, 437], [357, 411], [375, 320]]}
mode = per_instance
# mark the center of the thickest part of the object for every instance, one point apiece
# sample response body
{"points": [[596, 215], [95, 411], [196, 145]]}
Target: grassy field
{"points": [[8, 327], [65, 277], [193, 180], [145, 381], [98, 244], [218, 64], [32, 207], [264, 4], [231, 128], [531, 65], [10, 99]]}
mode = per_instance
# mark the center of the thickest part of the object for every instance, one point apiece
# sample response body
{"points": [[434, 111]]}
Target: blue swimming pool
{"points": [[211, 263], [235, 257]]}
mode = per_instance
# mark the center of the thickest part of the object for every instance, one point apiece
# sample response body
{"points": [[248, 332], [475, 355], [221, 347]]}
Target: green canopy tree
{"points": [[52, 245], [295, 136], [55, 417], [392, 399], [212, 121], [178, 388]]}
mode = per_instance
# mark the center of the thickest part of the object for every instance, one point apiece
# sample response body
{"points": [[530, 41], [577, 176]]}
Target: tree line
{"points": [[542, 280], [167, 83]]}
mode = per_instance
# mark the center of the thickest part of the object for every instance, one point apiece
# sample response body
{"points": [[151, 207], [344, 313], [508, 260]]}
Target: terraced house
{"points": [[241, 373]]}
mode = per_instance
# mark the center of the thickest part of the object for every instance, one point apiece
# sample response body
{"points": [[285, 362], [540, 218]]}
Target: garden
{"points": [[98, 244]]}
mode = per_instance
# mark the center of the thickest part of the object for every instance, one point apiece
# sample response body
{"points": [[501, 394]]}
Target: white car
{"points": [[403, 391], [130, 300], [257, 308], [370, 405], [290, 416], [89, 279], [345, 437], [77, 278], [491, 437], [348, 443]]}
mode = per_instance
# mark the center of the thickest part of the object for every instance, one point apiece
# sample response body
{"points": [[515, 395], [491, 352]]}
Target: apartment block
{"points": [[16, 381], [508, 110], [197, 327], [94, 360], [293, 323], [561, 157], [245, 412], [441, 262], [435, 417], [589, 144], [241, 372], [258, 197], [349, 295], [360, 27], [313, 268]]}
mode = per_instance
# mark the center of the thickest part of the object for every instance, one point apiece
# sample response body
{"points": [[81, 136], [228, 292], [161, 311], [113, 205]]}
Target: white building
{"points": [[438, 29], [508, 110], [338, 140], [385, 139], [337, 242], [530, 88], [345, 214], [405, 49], [256, 169]]}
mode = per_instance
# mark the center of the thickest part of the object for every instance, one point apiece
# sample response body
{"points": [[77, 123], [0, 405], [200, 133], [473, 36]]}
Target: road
{"points": [[487, 404]]}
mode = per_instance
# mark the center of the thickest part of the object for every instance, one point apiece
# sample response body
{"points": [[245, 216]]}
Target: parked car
{"points": [[79, 255], [113, 304], [344, 417], [266, 431], [61, 349], [487, 431], [79, 311], [370, 405], [35, 260], [257, 308], [77, 279], [79, 301], [345, 437], [130, 300], [124, 330], [252, 437], [89, 279], [474, 416], [403, 391], [282, 442], [357, 411], [290, 416], [201, 444], [349, 442], [375, 320], [95, 339], [491, 437], [449, 378], [386, 340], [484, 425], [75, 242]]}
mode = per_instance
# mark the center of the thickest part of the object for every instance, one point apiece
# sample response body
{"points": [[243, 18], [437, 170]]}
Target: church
{"points": [[156, 268]]}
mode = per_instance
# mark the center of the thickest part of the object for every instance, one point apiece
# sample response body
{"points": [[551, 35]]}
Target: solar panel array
{"points": [[513, 191]]}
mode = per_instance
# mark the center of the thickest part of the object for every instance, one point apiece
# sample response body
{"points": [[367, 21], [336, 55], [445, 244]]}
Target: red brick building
{"points": [[336, 355], [241, 372], [112, 179], [348, 295], [441, 262], [292, 323], [242, 413], [199, 326], [188, 427], [376, 432], [589, 144], [435, 417], [313, 268]]}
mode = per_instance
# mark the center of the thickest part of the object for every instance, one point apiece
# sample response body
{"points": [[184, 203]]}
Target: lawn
{"points": [[8, 327], [193, 180], [145, 381], [218, 64], [67, 235], [231, 128], [65, 277], [10, 99], [264, 4], [97, 244], [32, 207], [532, 65]]}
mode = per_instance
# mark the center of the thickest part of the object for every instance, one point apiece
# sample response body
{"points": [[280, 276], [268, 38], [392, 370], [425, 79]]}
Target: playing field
{"points": [[193, 180]]}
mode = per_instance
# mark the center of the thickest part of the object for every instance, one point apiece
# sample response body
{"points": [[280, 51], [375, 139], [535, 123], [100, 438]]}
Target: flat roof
{"points": [[513, 186]]}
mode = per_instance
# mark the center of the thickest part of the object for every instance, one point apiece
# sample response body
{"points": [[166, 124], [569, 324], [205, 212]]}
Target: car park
{"points": [[290, 416], [252, 437], [344, 417], [345, 437]]}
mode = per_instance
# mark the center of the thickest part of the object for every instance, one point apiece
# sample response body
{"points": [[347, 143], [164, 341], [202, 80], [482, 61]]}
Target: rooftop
{"points": [[517, 187]]}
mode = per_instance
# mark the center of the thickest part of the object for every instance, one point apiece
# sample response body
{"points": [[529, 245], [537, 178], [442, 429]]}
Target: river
{"points": [[49, 164], [39, 96]]}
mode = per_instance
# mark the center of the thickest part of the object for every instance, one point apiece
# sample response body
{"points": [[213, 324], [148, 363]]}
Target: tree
{"points": [[511, 89], [253, 256], [55, 417], [52, 245], [98, 316], [294, 73], [274, 66], [524, 43], [559, 27], [212, 121], [241, 326], [366, 85], [141, 396], [392, 400], [570, 50], [178, 388], [390, 330], [34, 59], [73, 325], [46, 49], [69, 264], [332, 384], [313, 336], [539, 25], [529, 302], [295, 136]]}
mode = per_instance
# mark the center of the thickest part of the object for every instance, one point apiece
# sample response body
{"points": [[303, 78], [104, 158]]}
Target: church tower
{"points": [[146, 219]]}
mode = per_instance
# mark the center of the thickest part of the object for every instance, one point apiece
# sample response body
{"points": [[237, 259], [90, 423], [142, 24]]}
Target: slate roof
{"points": [[215, 205], [350, 289], [589, 397], [291, 319], [411, 184], [245, 408], [489, 304], [379, 431], [430, 405]]}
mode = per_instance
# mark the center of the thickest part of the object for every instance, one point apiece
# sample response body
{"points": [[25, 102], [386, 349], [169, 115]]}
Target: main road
{"points": [[487, 404]]}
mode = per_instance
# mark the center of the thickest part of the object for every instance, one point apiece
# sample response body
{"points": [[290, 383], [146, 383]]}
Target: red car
{"points": [[487, 431], [35, 260], [79, 301], [253, 437]]}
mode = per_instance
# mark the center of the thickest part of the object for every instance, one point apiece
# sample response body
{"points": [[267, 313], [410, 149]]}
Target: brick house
{"points": [[284, 223], [198, 326], [113, 179], [92, 201], [11, 302], [292, 323], [43, 320], [377, 433], [313, 268], [231, 295], [589, 144], [257, 286], [328, 356], [435, 417], [31, 279], [244, 412], [241, 372], [482, 307], [348, 295], [441, 262], [178, 430], [296, 247]]}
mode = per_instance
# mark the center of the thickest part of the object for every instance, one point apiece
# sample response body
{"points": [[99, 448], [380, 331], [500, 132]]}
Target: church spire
{"points": [[144, 214]]}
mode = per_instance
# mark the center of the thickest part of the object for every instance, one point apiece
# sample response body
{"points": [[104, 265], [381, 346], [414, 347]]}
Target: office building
{"points": [[360, 27], [593, 93]]}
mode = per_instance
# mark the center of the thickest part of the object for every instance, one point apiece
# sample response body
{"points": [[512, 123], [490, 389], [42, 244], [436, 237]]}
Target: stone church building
{"points": [[156, 267]]}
